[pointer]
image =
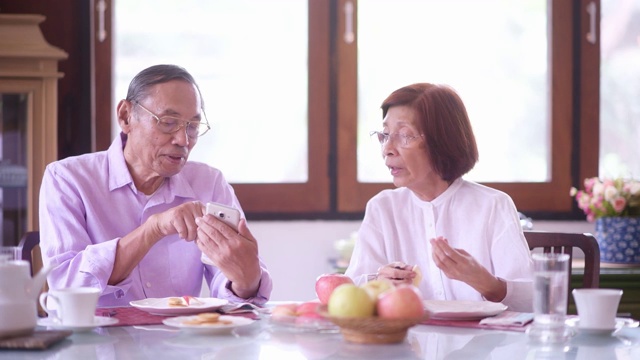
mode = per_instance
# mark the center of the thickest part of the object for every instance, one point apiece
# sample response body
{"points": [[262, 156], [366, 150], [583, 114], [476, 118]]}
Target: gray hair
{"points": [[158, 74]]}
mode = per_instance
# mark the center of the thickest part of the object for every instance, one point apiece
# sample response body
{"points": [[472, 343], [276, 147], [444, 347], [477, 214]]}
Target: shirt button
{"points": [[148, 284]]}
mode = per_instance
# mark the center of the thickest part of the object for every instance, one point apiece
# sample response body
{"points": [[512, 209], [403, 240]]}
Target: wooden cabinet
{"points": [[28, 120]]}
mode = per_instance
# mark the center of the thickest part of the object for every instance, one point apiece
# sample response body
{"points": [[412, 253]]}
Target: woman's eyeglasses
{"points": [[401, 139]]}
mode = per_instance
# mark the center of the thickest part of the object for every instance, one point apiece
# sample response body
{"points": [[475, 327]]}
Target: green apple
{"points": [[350, 300], [376, 287]]}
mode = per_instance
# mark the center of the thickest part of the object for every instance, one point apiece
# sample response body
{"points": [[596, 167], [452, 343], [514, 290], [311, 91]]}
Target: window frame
{"points": [[333, 191], [533, 198]]}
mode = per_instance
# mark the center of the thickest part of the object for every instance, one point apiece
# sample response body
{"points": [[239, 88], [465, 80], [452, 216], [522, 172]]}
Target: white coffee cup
{"points": [[597, 308], [73, 306]]}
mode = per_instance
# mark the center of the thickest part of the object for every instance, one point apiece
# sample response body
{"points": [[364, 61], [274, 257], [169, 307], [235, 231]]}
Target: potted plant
{"points": [[614, 205]]}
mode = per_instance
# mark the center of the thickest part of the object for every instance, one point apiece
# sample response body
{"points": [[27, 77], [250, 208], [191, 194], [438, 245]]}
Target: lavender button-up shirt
{"points": [[88, 202]]}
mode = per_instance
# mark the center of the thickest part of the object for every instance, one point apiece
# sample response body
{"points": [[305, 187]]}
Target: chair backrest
{"points": [[30, 248], [31, 241], [564, 243]]}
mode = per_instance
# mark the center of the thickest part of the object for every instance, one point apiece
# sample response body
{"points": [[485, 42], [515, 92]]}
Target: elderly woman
{"points": [[458, 240]]}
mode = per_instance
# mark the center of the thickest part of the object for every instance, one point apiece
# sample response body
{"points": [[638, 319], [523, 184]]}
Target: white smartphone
{"points": [[229, 215]]}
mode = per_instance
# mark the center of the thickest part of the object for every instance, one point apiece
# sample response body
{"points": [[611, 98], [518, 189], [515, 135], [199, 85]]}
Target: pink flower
{"points": [[598, 189], [588, 184], [573, 191], [610, 191], [619, 204], [633, 188], [608, 197]]}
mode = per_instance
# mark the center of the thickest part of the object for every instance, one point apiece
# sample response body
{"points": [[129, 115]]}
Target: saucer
{"points": [[97, 322], [620, 323]]}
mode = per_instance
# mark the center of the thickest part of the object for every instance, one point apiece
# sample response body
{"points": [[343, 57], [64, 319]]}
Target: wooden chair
{"points": [[554, 242], [30, 248]]}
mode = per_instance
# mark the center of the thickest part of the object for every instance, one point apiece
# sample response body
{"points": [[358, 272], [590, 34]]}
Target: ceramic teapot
{"points": [[18, 297]]}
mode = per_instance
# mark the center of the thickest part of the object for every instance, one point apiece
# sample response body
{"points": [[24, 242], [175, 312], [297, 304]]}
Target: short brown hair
{"points": [[442, 118]]}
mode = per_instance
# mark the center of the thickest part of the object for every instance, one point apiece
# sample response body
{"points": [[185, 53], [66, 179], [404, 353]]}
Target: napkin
{"points": [[242, 309], [508, 318], [128, 315]]}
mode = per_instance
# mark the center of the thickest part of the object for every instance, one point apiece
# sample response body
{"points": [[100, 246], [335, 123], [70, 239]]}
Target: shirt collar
{"points": [[119, 175]]}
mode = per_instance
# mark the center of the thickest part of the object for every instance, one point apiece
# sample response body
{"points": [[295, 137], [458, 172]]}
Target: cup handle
{"points": [[42, 300]]}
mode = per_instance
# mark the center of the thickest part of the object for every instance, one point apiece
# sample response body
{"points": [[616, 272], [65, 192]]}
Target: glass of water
{"points": [[8, 253], [550, 295]]}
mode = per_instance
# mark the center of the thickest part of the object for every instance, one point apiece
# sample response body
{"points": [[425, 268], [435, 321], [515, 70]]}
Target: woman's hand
{"points": [[397, 272], [459, 265]]}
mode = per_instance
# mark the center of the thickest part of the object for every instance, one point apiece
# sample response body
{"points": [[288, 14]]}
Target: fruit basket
{"points": [[374, 330]]}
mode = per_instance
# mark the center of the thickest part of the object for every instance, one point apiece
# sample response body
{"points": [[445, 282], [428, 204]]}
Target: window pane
{"points": [[249, 58], [620, 88], [494, 53]]}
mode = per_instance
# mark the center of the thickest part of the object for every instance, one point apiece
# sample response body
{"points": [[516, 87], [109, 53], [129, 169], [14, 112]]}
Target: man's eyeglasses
{"points": [[170, 124], [401, 139]]}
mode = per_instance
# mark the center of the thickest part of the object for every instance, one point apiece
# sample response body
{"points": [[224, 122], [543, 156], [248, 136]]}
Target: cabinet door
{"points": [[13, 166], [83, 30]]}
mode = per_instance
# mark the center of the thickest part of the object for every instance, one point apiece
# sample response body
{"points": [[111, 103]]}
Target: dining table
{"points": [[147, 337]]}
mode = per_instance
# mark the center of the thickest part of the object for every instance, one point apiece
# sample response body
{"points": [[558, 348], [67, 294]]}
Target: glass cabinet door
{"points": [[13, 167]]}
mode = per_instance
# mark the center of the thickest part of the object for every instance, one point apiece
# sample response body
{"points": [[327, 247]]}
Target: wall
{"points": [[296, 252]]}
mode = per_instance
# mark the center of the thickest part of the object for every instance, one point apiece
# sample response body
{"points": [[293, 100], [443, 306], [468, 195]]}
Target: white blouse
{"points": [[397, 226]]}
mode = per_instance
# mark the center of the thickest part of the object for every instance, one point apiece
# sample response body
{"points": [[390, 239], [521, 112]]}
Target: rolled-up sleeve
{"points": [[221, 287]]}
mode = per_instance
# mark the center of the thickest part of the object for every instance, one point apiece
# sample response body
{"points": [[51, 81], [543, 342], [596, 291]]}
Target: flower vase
{"points": [[619, 239]]}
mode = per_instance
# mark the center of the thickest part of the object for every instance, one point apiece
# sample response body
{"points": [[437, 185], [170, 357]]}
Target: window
{"points": [[251, 59], [620, 89], [535, 30], [296, 86]]}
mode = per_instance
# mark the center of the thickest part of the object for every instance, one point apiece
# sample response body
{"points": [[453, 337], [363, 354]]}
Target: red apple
{"points": [[308, 318], [309, 307], [401, 302], [326, 283]]}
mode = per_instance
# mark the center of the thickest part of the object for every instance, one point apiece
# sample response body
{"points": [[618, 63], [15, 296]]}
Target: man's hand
{"points": [[135, 245], [179, 220], [234, 253]]}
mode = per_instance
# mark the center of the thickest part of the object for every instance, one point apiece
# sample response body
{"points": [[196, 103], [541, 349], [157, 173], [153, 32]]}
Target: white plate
{"points": [[574, 322], [462, 310], [236, 321], [302, 324], [160, 306], [97, 322]]}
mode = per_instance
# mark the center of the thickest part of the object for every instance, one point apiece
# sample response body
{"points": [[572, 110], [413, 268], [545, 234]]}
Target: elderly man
{"points": [[131, 221]]}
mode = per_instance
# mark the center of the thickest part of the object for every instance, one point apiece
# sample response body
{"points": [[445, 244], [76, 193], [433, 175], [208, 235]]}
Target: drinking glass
{"points": [[550, 294], [8, 253]]}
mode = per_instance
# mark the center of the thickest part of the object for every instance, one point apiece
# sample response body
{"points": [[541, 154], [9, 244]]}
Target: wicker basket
{"points": [[374, 330]]}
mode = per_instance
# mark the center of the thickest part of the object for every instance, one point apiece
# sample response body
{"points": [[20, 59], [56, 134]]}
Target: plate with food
{"points": [[300, 317], [462, 310], [207, 323], [182, 305]]}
